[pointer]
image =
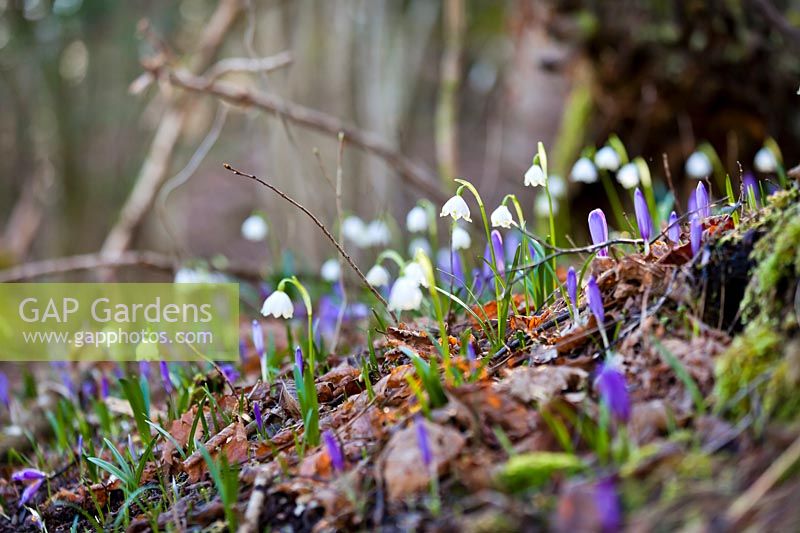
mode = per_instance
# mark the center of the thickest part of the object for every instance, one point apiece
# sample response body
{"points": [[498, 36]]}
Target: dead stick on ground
{"points": [[255, 504], [322, 227]]}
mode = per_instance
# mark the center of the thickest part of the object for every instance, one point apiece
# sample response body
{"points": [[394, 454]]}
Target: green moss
{"points": [[532, 470], [758, 363]]}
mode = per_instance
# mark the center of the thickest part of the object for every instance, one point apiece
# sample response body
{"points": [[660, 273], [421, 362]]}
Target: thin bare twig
{"points": [[414, 173], [322, 227], [247, 64]]}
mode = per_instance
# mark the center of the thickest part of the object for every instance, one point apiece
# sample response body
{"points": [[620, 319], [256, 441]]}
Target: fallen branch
{"points": [[414, 173]]}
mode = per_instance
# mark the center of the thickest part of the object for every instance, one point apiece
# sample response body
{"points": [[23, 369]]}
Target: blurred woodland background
{"points": [[96, 116]]}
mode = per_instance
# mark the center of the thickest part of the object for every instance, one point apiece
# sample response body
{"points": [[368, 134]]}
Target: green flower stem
{"points": [[518, 208], [542, 155], [309, 311], [393, 256], [471, 188]]}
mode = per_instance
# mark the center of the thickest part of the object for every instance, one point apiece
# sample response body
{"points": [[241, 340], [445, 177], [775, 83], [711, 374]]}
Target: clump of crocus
{"points": [[696, 234], [673, 228], [572, 291], [33, 480], [643, 219], [598, 229], [595, 300], [334, 450], [701, 201], [610, 384]]}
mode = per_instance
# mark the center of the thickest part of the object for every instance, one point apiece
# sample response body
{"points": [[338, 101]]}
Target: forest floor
{"points": [[524, 438]]}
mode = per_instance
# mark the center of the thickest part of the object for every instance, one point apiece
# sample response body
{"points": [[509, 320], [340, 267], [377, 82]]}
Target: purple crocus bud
{"points": [[165, 377], [258, 417], [701, 199], [79, 446], [258, 338], [334, 451], [471, 357], [229, 371], [643, 219], [691, 205], [606, 503], [242, 349], [132, 448], [610, 383], [598, 229], [88, 389], [144, 369], [477, 280], [422, 441], [105, 387], [66, 377], [572, 287], [497, 244], [696, 234], [28, 474], [595, 300], [750, 184], [298, 360], [532, 251], [511, 244], [674, 228], [4, 395], [30, 491]]}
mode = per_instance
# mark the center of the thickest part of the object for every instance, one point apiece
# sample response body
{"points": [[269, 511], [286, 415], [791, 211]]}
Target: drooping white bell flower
{"points": [[331, 271], [583, 171], [279, 305], [457, 208], [534, 177], [461, 239], [355, 231], [377, 276], [419, 243], [417, 219], [607, 158], [414, 271], [501, 217], [254, 228], [628, 176], [542, 207], [698, 166], [765, 161], [405, 295], [378, 233], [557, 186]]}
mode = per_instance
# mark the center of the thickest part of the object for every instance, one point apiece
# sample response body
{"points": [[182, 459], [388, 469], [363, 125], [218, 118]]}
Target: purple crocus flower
{"points": [[606, 503], [422, 441], [30, 491], [165, 377], [701, 199], [610, 383], [750, 184], [79, 446], [691, 205], [105, 387], [229, 371], [4, 395], [532, 251], [28, 474], [572, 288], [132, 448], [258, 417], [497, 244], [511, 244], [471, 357], [696, 234], [66, 378], [674, 228], [258, 338], [643, 219], [298, 360], [334, 451], [595, 300], [598, 229], [144, 369], [88, 389], [444, 260]]}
